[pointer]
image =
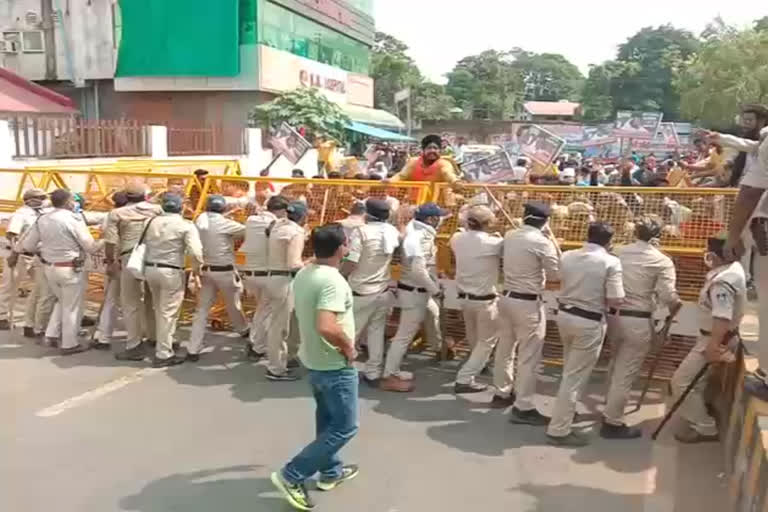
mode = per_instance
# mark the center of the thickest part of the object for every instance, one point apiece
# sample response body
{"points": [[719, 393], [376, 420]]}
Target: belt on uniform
{"points": [[521, 296], [162, 265], [583, 313], [254, 273], [631, 313], [220, 268], [27, 253], [129, 251], [407, 288], [288, 273], [729, 334], [469, 296], [58, 263]]}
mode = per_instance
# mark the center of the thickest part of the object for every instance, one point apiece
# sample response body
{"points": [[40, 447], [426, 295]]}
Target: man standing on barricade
{"points": [[429, 166], [256, 270], [722, 303], [417, 290], [591, 283], [217, 234], [124, 228], [40, 301], [285, 246], [169, 237], [531, 259], [478, 258], [64, 241], [367, 266], [649, 280]]}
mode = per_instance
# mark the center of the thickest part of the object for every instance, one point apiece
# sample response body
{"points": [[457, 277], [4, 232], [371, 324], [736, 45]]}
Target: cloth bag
{"points": [[136, 260]]}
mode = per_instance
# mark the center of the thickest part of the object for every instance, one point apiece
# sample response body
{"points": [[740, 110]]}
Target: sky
{"points": [[440, 33]]}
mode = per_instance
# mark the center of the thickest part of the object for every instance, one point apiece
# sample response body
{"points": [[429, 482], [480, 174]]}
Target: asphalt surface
{"points": [[86, 433]]}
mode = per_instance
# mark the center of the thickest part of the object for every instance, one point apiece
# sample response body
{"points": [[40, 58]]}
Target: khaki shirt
{"points": [[169, 237], [125, 224], [61, 235], [590, 276], [723, 296], [351, 223], [478, 258], [255, 247], [368, 249], [418, 266], [217, 234], [648, 276], [21, 220], [530, 260], [286, 245]]}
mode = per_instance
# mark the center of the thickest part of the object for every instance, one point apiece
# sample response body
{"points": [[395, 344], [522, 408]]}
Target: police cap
{"points": [[537, 210], [216, 204], [377, 208]]}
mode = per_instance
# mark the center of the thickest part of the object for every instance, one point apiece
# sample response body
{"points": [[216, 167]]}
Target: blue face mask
{"points": [[78, 208]]}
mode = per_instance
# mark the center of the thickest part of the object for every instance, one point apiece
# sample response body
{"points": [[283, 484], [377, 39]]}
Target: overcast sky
{"points": [[439, 33]]}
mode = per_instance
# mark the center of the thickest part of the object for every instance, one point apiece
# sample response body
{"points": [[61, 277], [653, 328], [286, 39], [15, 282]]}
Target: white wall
{"points": [[13, 18]]}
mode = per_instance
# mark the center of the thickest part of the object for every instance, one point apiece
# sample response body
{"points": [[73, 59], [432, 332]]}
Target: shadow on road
{"points": [[551, 498]]}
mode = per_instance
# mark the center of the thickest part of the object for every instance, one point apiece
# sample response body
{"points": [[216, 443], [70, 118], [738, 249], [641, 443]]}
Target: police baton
{"points": [[663, 337], [14, 294], [680, 401]]}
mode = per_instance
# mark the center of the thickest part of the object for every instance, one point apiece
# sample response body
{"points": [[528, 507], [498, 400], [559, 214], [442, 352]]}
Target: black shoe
{"points": [[532, 417], [572, 440], [87, 321], [373, 383], [466, 389], [151, 343], [29, 332], [168, 361], [51, 342], [5, 325], [608, 431], [133, 354], [97, 345], [245, 334], [252, 355], [499, 402], [286, 377], [74, 350], [293, 363], [193, 357]]}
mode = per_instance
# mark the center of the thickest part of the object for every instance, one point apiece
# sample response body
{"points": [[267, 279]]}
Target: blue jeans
{"points": [[336, 424]]}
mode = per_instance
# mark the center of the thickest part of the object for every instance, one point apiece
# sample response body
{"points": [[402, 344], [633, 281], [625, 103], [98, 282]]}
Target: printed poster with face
{"points": [[538, 144], [286, 141], [637, 125]]}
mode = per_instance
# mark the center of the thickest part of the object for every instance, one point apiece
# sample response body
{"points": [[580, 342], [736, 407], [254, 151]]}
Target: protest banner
{"points": [[491, 169], [665, 141], [538, 144], [286, 141], [637, 125]]}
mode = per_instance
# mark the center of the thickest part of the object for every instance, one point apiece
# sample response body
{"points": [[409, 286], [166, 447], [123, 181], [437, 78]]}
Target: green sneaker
{"points": [[296, 495], [347, 473]]}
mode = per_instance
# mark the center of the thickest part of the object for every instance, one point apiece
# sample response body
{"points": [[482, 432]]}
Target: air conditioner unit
{"points": [[11, 42]]}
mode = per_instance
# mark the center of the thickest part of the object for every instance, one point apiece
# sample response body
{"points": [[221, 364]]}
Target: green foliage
{"points": [[303, 107], [597, 101], [432, 102], [547, 76], [392, 70], [487, 86]]}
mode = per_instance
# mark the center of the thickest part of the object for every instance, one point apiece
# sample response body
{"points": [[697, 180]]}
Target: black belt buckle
{"points": [[521, 296], [631, 313], [162, 265], [255, 273], [408, 288], [220, 268], [469, 296], [582, 313], [283, 273]]}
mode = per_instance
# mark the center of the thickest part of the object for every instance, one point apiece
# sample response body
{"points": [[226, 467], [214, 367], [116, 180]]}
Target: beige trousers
{"points": [[13, 279], [40, 302], [67, 286], [482, 329], [371, 313], [522, 327], [231, 288], [631, 341], [138, 311], [111, 309], [582, 340], [283, 335], [262, 316], [167, 288], [415, 309], [694, 410]]}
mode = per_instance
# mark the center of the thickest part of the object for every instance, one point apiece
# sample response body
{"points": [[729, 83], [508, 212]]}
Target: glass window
{"points": [[364, 5], [290, 32]]}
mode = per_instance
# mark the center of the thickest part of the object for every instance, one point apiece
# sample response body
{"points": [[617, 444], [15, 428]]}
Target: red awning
{"points": [[20, 95]]}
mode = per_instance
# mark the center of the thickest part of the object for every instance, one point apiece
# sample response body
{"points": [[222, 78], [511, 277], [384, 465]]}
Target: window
{"points": [[12, 42], [32, 41]]}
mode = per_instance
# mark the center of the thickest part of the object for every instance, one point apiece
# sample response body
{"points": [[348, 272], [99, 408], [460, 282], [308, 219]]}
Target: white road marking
{"points": [[94, 394], [11, 345]]}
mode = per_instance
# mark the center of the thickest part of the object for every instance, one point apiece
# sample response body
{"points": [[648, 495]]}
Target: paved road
{"points": [[88, 434]]}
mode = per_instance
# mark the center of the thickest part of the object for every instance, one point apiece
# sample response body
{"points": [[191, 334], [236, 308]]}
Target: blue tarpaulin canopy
{"points": [[378, 133]]}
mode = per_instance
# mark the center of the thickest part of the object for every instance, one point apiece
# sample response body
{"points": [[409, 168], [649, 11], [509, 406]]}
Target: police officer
{"points": [[285, 246], [649, 281], [217, 234], [367, 265], [124, 228], [40, 301], [591, 283], [256, 269], [478, 258], [722, 303], [531, 259], [168, 238], [64, 240], [417, 290]]}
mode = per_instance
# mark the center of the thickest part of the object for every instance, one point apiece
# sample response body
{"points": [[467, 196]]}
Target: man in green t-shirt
{"points": [[323, 305]]}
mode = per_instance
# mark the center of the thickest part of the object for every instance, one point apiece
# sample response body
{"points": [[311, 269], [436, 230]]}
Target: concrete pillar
{"points": [[158, 142], [6, 144], [257, 157]]}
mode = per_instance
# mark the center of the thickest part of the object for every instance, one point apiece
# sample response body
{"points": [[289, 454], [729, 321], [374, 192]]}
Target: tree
{"points": [[487, 85], [547, 76], [645, 81], [305, 107], [596, 99], [392, 70], [430, 101], [761, 25], [728, 71]]}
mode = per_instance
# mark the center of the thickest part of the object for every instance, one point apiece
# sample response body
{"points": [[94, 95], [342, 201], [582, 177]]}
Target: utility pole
{"points": [[49, 36]]}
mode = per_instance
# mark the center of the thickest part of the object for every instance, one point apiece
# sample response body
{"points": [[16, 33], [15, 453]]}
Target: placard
{"points": [[491, 169], [539, 144], [637, 125], [286, 141]]}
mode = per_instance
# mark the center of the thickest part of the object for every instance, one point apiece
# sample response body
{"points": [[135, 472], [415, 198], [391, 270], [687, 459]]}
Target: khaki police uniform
{"points": [[111, 308], [723, 296], [217, 234], [63, 238], [590, 276], [285, 246], [169, 237], [124, 228], [416, 289], [478, 258], [255, 275], [371, 247], [649, 279], [530, 260]]}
